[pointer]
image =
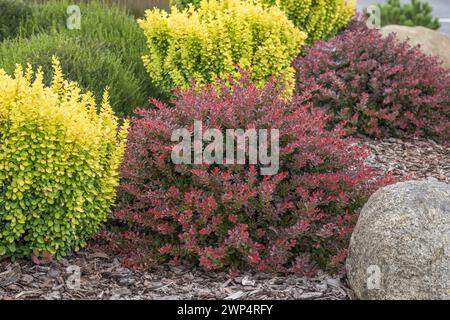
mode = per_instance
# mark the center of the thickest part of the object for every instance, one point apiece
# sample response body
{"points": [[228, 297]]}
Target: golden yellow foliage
{"points": [[212, 41], [59, 162]]}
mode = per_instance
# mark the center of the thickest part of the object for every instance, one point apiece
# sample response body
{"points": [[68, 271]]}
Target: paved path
{"points": [[441, 9]]}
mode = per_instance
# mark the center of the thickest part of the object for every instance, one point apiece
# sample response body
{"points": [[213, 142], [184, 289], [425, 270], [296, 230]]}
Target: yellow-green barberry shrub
{"points": [[216, 40], [318, 18], [59, 162]]}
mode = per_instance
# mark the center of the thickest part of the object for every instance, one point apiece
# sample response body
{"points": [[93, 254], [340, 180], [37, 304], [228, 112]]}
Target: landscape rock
{"points": [[431, 42], [400, 248]]}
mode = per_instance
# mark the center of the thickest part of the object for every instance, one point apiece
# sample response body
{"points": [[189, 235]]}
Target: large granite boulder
{"points": [[400, 248], [431, 42]]}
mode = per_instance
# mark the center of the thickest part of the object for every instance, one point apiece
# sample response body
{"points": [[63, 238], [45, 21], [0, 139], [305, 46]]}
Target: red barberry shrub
{"points": [[377, 86], [229, 215]]}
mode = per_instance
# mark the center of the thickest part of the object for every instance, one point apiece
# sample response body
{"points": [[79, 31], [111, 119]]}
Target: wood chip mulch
{"points": [[416, 158], [102, 276]]}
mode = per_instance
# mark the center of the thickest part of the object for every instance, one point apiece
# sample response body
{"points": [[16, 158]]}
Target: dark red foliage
{"points": [[229, 216], [377, 86]]}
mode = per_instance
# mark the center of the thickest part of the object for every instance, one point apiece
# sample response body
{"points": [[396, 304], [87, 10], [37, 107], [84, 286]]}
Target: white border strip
{"points": [[444, 20]]}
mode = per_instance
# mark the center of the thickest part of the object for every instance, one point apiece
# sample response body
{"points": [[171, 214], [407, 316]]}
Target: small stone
{"points": [[247, 282]]}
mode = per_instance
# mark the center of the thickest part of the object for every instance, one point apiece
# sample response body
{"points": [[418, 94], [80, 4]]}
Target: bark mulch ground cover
{"points": [[416, 158], [102, 276]]}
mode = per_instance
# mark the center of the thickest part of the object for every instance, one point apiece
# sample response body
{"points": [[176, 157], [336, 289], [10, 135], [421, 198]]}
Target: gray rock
{"points": [[400, 248], [431, 42]]}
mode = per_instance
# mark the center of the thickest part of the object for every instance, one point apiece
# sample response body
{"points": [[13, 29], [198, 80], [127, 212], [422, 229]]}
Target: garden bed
{"points": [[104, 278], [91, 110]]}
